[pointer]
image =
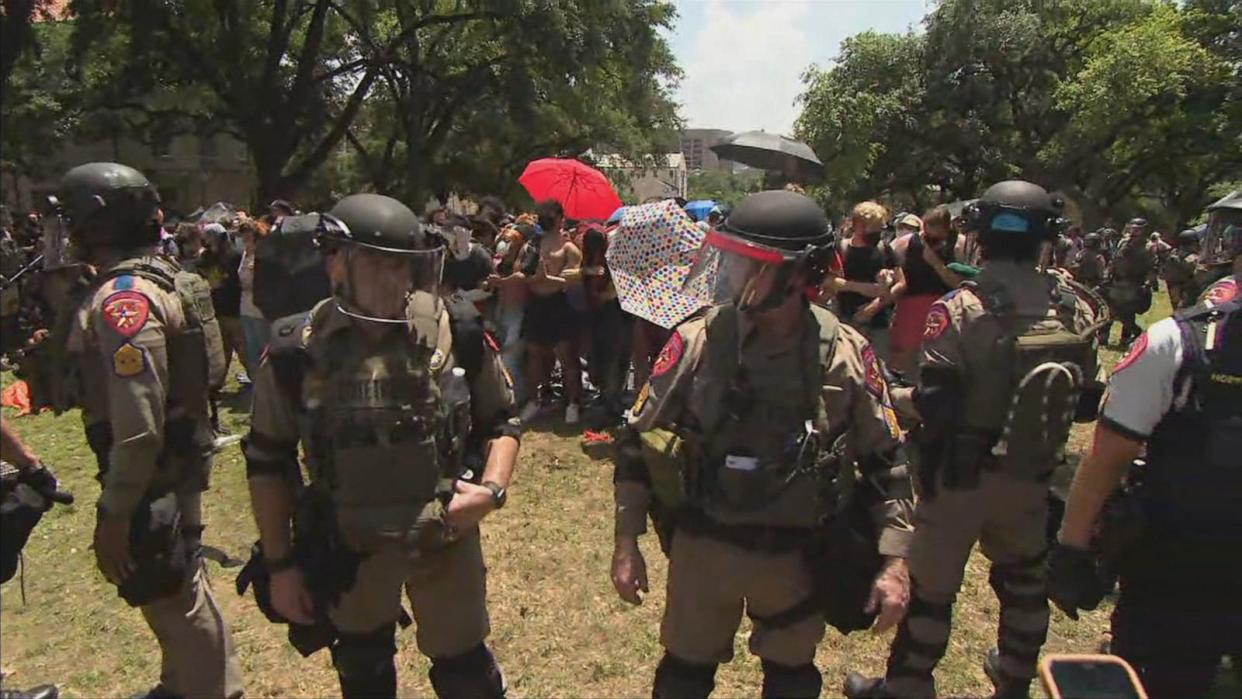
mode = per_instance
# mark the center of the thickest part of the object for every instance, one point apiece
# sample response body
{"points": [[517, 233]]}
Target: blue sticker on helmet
{"points": [[1010, 223], [123, 283]]}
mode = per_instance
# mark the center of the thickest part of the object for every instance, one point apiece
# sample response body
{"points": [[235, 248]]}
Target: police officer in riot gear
{"points": [[1179, 268], [136, 351], [1130, 280], [730, 448], [1219, 265], [1179, 393], [1005, 358], [1089, 265], [386, 393]]}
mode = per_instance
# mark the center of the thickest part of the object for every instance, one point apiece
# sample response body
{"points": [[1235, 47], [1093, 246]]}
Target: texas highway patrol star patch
{"points": [[126, 312], [128, 361], [874, 377], [937, 322], [669, 356]]}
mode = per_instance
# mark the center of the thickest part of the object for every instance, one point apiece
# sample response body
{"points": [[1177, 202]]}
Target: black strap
{"points": [[466, 324], [804, 609]]}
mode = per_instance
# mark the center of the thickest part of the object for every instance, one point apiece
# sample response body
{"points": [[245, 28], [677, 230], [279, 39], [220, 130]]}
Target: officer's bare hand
{"points": [[291, 598], [629, 570], [890, 596], [470, 504], [112, 548]]}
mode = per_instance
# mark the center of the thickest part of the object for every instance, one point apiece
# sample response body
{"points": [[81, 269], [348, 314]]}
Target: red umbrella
{"points": [[584, 191]]}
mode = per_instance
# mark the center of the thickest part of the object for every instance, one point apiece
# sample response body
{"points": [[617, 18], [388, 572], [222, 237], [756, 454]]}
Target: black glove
{"points": [[44, 482], [1074, 581]]}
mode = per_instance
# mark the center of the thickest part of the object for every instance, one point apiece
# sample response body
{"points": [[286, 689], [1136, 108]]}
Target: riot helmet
{"points": [[1014, 218], [759, 250], [1222, 240], [392, 267], [1188, 238], [107, 204]]}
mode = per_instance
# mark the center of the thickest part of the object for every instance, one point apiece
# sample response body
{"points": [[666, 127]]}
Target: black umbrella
{"points": [[769, 151]]}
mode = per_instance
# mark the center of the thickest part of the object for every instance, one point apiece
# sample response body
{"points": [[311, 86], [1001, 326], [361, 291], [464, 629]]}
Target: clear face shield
{"points": [[386, 285], [750, 275]]}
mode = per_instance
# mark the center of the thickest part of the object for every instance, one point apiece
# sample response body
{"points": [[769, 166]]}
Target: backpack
{"points": [[1052, 365], [289, 275]]}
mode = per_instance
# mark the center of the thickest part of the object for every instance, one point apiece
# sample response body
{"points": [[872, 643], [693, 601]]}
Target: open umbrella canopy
{"points": [[650, 257], [770, 151], [700, 208], [583, 191]]}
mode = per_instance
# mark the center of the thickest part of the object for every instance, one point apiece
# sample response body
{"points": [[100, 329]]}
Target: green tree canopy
{"points": [[1114, 102]]}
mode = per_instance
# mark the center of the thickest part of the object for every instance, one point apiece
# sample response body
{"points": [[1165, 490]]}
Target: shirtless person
{"points": [[549, 323], [921, 278]]}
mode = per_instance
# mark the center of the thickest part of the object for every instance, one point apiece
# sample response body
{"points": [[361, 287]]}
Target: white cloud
{"points": [[742, 67]]}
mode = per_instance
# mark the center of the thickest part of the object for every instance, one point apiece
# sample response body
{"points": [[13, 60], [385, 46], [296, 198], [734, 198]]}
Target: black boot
{"points": [[1006, 687], [859, 687], [43, 691], [680, 679]]}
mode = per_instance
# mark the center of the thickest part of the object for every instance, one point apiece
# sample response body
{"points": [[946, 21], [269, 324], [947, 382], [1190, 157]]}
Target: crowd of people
{"points": [[907, 382]]}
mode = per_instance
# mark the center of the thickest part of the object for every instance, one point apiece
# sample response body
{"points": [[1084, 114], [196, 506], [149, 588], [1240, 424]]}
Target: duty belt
{"points": [[363, 435], [752, 537]]}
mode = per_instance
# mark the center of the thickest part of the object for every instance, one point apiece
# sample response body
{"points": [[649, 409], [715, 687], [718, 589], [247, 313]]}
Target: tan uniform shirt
{"points": [[683, 388], [120, 336], [964, 336]]}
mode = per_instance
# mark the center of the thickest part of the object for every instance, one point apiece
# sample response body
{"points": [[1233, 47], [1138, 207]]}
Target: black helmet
{"points": [[108, 204], [786, 222], [1092, 241], [1137, 222], [1188, 238], [373, 221], [1018, 207], [777, 228]]}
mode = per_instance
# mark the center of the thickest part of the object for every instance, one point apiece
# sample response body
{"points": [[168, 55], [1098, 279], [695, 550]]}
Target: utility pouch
{"points": [[664, 452], [844, 560], [162, 560]]}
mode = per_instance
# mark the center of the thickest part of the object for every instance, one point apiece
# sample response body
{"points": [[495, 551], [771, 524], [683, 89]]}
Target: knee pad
{"points": [[471, 675], [681, 679], [1024, 572], [364, 663], [791, 682]]}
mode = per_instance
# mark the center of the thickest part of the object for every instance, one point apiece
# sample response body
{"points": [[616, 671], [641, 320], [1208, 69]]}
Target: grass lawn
{"points": [[558, 628]]}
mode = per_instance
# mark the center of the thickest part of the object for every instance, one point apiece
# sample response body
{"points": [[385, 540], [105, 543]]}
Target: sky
{"points": [[743, 59]]}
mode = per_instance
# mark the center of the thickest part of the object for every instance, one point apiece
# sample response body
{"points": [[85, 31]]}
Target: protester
{"points": [[863, 274], [608, 327], [508, 284], [922, 277], [548, 325], [468, 264], [255, 327]]}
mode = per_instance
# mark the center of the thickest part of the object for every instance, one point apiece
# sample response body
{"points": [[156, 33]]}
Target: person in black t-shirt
{"points": [[862, 275]]}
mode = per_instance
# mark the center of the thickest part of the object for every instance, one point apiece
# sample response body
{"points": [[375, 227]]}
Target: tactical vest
{"points": [[1192, 489], [786, 476], [195, 354], [1132, 264], [1023, 421], [1179, 269], [384, 429]]}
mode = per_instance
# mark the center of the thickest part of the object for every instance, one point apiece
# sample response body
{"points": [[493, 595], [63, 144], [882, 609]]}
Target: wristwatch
{"points": [[500, 495]]}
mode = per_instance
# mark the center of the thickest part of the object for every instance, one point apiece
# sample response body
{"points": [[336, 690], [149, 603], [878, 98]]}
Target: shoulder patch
{"points": [[1222, 291], [126, 311], [128, 361], [1136, 351], [669, 356], [874, 378], [437, 359], [937, 321], [490, 340]]}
